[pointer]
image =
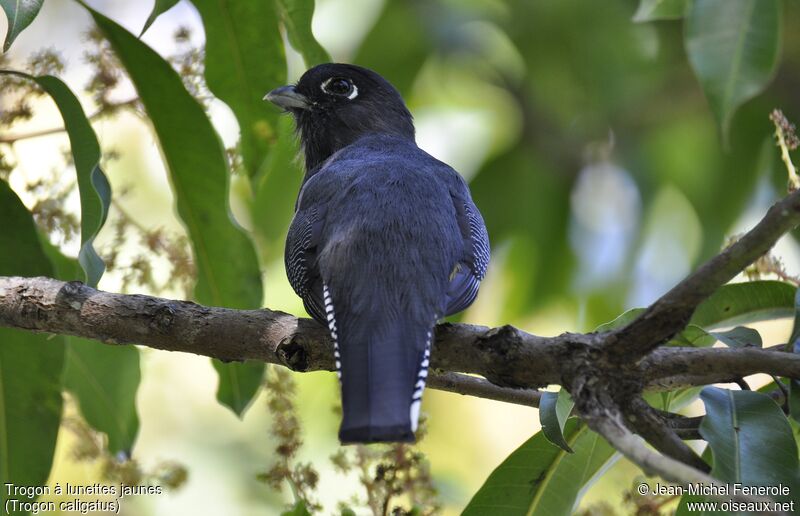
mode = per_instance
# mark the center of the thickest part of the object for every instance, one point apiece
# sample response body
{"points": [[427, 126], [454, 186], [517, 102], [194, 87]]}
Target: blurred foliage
{"points": [[611, 147]]}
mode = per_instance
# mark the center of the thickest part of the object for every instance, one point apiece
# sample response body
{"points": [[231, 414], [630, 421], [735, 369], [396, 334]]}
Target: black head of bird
{"points": [[336, 104], [385, 240]]}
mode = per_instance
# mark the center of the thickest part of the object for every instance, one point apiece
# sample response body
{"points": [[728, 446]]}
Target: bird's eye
{"points": [[341, 87]]}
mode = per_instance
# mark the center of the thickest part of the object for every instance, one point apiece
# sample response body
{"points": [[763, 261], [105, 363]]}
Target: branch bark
{"points": [[506, 356]]}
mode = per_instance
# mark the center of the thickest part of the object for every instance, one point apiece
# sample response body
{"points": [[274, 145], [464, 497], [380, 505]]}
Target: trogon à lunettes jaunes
{"points": [[384, 242]]}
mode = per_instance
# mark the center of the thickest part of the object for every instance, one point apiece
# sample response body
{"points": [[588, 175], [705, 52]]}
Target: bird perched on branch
{"points": [[385, 241]]}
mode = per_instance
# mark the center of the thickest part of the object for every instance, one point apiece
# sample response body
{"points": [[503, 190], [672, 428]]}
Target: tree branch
{"points": [[670, 313], [505, 356]]}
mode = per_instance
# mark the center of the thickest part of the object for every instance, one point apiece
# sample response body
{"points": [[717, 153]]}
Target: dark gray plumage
{"points": [[385, 241]]}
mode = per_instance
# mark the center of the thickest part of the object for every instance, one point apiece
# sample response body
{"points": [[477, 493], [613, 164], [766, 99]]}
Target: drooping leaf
{"points": [[20, 14], [733, 47], [751, 440], [30, 363], [742, 303], [159, 8], [104, 380], [296, 16], [238, 383], [652, 10], [554, 409], [541, 479], [93, 186], [244, 60], [227, 269], [739, 337]]}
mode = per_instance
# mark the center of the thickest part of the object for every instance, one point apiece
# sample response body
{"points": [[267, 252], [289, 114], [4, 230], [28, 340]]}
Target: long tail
{"points": [[383, 365]]}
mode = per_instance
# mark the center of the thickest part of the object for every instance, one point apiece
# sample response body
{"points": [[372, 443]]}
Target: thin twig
{"points": [[13, 138]]}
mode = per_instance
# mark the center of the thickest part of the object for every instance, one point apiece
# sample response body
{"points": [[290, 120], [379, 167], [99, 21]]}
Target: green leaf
{"points": [[272, 208], [554, 409], [93, 186], [751, 440], [244, 60], [20, 14], [30, 363], [733, 47], [739, 337], [238, 383], [540, 479], [742, 303], [299, 509], [398, 27], [228, 273], [104, 380], [159, 8], [694, 337], [653, 10], [296, 16]]}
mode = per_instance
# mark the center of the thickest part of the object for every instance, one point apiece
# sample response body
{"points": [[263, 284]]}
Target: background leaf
{"points": [[540, 479], [733, 47], [104, 380], [228, 273], [402, 24], [751, 440], [159, 8], [30, 363], [296, 16], [244, 60], [275, 189], [20, 14], [652, 10]]}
